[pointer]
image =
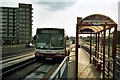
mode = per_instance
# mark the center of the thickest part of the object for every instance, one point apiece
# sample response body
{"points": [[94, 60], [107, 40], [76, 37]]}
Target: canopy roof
{"points": [[95, 23]]}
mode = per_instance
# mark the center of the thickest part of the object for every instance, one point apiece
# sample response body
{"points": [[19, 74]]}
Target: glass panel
{"points": [[42, 41], [50, 40]]}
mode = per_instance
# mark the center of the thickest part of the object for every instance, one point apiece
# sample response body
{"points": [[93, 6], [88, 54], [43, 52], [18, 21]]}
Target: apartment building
{"points": [[16, 24], [24, 19]]}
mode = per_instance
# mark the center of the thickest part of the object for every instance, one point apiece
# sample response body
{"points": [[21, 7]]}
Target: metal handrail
{"points": [[58, 73]]}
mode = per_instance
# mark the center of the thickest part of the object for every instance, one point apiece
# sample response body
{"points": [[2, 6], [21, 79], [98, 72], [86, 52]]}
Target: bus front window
{"points": [[52, 41], [57, 41], [43, 41]]}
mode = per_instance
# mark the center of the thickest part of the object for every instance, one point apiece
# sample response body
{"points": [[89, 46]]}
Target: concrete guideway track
{"points": [[16, 61], [13, 68], [43, 72], [15, 58], [32, 71], [21, 73]]}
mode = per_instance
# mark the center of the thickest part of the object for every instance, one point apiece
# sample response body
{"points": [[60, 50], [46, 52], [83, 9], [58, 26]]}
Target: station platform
{"points": [[87, 70]]}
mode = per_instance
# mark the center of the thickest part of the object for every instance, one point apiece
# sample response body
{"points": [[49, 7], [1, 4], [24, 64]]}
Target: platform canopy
{"points": [[94, 23], [98, 24]]}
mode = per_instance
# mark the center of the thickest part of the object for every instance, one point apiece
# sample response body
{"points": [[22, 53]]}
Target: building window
{"points": [[10, 9], [27, 25], [23, 24], [27, 9], [20, 9], [27, 21]]}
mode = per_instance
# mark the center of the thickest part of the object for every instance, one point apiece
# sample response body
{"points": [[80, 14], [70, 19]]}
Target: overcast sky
{"points": [[64, 13]]}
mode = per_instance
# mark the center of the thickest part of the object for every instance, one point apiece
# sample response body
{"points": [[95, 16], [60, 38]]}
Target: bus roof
{"points": [[49, 28], [39, 29]]}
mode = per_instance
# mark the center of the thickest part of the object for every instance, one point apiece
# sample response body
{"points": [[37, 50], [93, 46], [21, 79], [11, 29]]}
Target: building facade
{"points": [[16, 24], [8, 24]]}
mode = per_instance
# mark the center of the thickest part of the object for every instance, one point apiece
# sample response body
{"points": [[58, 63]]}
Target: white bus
{"points": [[50, 44]]}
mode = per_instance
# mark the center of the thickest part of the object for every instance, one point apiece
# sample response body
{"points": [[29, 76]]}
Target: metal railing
{"points": [[65, 70], [117, 68]]}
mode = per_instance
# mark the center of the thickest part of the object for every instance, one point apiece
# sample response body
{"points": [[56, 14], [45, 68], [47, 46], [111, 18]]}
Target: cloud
{"points": [[55, 6]]}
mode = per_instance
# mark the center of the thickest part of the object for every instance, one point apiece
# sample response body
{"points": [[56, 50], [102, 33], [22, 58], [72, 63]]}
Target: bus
{"points": [[50, 44]]}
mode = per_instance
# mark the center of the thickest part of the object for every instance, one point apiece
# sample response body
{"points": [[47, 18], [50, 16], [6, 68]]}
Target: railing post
{"points": [[114, 49], [59, 74], [96, 61], [91, 47], [104, 44], [76, 54]]}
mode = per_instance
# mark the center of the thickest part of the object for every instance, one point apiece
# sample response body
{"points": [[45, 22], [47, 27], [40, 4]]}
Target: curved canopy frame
{"points": [[96, 23]]}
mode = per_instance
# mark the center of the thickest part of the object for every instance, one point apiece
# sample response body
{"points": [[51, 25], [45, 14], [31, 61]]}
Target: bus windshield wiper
{"points": [[52, 44], [38, 47], [46, 44]]}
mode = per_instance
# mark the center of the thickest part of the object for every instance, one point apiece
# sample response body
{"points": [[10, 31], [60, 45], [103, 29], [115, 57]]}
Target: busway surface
{"points": [[42, 70], [17, 59]]}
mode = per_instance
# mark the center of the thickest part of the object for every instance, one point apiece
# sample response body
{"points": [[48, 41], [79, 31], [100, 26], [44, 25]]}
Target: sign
{"points": [[97, 20], [49, 31]]}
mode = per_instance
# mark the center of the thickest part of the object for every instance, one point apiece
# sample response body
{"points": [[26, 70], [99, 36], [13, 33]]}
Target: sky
{"points": [[64, 13]]}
